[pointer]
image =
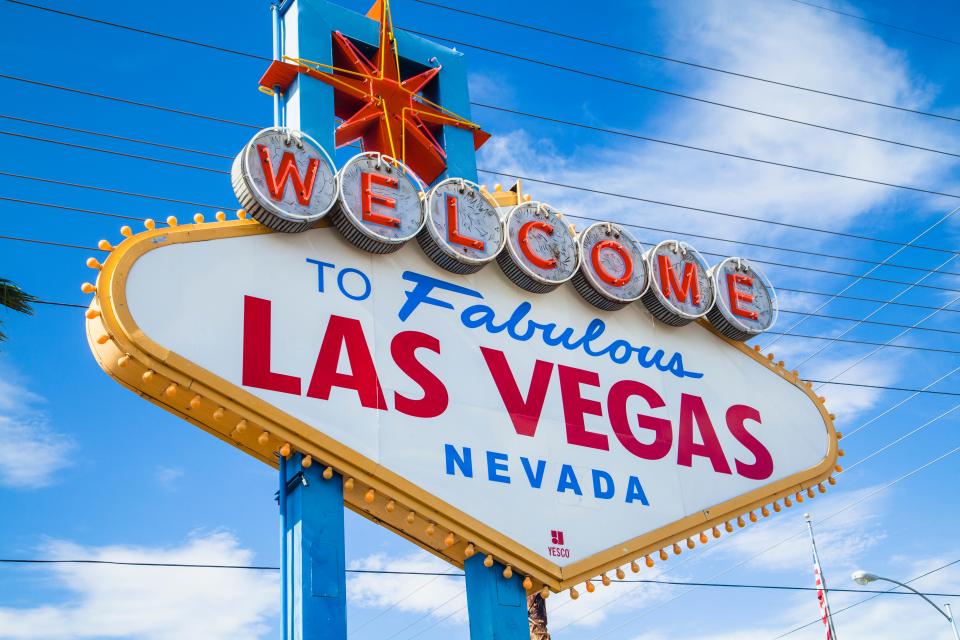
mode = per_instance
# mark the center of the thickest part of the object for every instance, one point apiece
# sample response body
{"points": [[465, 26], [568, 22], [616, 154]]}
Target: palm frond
{"points": [[15, 298]]}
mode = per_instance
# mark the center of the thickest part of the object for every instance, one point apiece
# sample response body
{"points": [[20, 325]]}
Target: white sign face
{"points": [[566, 429]]}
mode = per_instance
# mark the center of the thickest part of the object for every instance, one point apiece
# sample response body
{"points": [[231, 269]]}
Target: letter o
{"points": [[363, 278]]}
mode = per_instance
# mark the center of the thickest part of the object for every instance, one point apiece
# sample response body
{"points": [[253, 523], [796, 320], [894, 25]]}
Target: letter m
{"points": [[277, 180], [690, 286]]}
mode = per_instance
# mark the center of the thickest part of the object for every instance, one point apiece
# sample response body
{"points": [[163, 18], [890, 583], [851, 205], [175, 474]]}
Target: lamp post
{"points": [[863, 578]]}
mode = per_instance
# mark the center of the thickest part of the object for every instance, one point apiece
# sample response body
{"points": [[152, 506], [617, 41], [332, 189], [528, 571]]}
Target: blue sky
{"points": [[88, 469]]}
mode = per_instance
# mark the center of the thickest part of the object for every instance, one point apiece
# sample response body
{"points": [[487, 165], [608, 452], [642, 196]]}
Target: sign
{"points": [[582, 405], [464, 411]]}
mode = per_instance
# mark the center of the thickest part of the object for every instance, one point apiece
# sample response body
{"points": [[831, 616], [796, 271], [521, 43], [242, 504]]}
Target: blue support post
{"points": [[497, 607], [313, 575]]}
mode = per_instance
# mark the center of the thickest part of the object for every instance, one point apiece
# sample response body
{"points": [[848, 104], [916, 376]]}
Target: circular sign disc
{"points": [[681, 289], [613, 272], [380, 207], [284, 179], [746, 301], [463, 230], [541, 252]]}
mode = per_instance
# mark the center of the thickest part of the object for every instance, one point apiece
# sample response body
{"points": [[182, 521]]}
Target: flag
{"points": [[822, 597]]}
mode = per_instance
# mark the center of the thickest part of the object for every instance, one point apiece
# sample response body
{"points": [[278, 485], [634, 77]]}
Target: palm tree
{"points": [[13, 297]]}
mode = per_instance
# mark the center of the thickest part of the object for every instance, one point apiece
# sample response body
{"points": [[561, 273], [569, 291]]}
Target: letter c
{"points": [[543, 263]]}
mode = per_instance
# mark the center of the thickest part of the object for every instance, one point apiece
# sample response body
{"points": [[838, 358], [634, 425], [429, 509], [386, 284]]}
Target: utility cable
{"points": [[688, 63], [871, 270], [818, 254], [877, 22], [224, 172]]}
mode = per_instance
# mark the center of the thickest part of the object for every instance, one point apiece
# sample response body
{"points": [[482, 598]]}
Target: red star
{"points": [[376, 105]]}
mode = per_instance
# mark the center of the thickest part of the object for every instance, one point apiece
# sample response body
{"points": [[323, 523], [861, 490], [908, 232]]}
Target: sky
{"points": [[89, 470]]}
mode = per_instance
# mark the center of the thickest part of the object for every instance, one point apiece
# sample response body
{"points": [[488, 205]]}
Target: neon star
{"points": [[379, 107]]}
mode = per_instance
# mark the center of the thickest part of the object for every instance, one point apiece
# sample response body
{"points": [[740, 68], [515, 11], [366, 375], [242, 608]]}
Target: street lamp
{"points": [[864, 578]]}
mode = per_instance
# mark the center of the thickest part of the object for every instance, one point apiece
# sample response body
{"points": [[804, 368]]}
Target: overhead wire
{"points": [[878, 22], [850, 285], [757, 260], [688, 63], [835, 612], [509, 55], [818, 254], [551, 182], [832, 515]]}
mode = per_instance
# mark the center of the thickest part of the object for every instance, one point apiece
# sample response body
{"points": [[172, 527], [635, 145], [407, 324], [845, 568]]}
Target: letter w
{"points": [[277, 181], [524, 412]]}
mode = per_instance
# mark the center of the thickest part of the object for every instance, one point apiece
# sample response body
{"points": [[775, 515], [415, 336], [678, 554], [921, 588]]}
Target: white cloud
{"points": [[150, 603], [31, 451], [167, 477], [441, 597]]}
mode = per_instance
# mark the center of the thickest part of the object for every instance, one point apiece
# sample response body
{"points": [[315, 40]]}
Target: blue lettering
{"points": [[536, 479], [464, 462], [320, 267], [482, 316], [497, 462], [635, 492], [363, 277], [602, 492], [568, 480], [421, 293]]}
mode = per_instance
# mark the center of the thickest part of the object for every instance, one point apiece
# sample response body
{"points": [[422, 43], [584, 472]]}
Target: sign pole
{"points": [[313, 577], [497, 606]]}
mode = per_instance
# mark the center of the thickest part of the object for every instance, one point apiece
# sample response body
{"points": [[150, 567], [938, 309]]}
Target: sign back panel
{"points": [[468, 415]]}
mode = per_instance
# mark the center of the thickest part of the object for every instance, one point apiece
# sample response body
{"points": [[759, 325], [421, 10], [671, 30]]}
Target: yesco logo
{"points": [[557, 550], [288, 182]]}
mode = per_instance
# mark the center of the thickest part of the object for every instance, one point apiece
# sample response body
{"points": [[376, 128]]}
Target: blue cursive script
{"points": [[522, 328]]}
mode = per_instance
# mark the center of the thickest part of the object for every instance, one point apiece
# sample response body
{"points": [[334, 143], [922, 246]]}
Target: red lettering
{"points": [[605, 275], [524, 240], [453, 227], [762, 467], [736, 296], [668, 280], [575, 406], [661, 427], [692, 411], [403, 348], [256, 350], [277, 183], [368, 198], [346, 333], [524, 412]]}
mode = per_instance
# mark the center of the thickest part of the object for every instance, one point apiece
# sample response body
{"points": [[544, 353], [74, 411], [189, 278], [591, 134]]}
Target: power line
{"points": [[113, 136], [552, 183], [814, 381], [135, 103], [132, 194], [818, 254], [877, 22], [550, 65], [155, 34], [224, 172], [880, 323], [438, 574], [859, 602], [49, 243], [725, 214], [793, 335], [68, 208], [696, 65], [627, 134], [636, 85], [111, 152], [570, 123], [843, 509]]}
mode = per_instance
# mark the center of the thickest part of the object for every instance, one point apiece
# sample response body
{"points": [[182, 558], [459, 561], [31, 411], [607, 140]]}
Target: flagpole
{"points": [[823, 580]]}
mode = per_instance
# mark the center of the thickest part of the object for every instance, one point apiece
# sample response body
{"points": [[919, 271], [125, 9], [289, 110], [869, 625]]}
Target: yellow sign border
{"points": [[264, 432]]}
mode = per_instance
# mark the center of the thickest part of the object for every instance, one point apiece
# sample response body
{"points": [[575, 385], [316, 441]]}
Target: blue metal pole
{"points": [[497, 606], [282, 499], [314, 553]]}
